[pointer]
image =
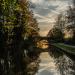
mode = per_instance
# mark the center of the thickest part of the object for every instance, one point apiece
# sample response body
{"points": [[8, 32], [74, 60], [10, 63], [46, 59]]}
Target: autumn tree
{"points": [[16, 23]]}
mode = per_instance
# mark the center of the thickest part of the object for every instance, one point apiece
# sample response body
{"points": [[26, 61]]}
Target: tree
{"points": [[69, 34], [16, 22], [56, 35], [70, 16], [60, 22]]}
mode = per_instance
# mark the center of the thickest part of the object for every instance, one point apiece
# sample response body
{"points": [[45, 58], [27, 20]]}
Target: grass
{"points": [[65, 47]]}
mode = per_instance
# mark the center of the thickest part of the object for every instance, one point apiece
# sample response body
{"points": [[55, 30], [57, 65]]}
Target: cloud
{"points": [[44, 28], [35, 1], [32, 5], [45, 11]]}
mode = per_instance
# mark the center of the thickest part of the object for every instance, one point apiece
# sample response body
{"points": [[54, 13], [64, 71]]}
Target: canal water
{"points": [[47, 65], [56, 62]]}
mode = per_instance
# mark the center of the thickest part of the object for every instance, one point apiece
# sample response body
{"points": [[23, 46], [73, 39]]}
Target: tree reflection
{"points": [[64, 63]]}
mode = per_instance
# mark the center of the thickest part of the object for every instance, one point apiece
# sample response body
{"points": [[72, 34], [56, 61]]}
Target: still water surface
{"points": [[47, 65], [56, 62]]}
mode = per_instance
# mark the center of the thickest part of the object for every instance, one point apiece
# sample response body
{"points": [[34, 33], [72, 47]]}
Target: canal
{"points": [[56, 62]]}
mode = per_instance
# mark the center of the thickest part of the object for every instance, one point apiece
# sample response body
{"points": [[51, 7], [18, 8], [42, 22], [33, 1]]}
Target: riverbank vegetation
{"points": [[65, 47], [17, 27], [64, 28]]}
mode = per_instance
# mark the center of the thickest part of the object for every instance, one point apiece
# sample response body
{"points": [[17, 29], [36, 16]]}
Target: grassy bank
{"points": [[68, 48]]}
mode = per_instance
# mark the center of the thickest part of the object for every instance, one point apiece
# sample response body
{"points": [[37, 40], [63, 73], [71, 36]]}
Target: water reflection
{"points": [[56, 62], [47, 65], [64, 63]]}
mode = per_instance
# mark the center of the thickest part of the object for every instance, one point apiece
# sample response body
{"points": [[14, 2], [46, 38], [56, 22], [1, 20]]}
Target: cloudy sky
{"points": [[46, 11]]}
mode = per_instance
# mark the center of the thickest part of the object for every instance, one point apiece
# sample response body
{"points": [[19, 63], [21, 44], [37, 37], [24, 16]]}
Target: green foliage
{"points": [[67, 48], [16, 22], [55, 34]]}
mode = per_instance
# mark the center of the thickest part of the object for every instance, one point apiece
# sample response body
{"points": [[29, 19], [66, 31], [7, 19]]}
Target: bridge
{"points": [[41, 38], [69, 49]]}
